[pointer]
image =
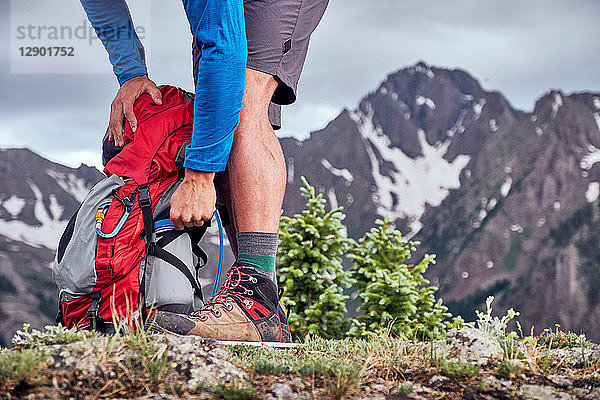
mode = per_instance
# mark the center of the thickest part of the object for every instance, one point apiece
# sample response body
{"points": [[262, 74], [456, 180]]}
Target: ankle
{"points": [[258, 250]]}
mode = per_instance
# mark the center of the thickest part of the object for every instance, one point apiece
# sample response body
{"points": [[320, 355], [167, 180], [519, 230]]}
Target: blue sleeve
{"points": [[113, 25], [219, 29]]}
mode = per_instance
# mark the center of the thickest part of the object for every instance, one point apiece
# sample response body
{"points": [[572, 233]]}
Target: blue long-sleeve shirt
{"points": [[219, 29]]}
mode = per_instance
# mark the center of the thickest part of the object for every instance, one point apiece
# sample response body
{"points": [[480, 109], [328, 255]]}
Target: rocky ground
{"points": [[467, 364]]}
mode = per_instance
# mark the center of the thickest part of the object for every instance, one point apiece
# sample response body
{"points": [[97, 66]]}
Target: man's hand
{"points": [[122, 105], [194, 200]]}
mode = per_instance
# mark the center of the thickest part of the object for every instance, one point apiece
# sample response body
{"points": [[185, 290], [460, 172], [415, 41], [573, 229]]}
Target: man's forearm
{"points": [[114, 27], [219, 28]]}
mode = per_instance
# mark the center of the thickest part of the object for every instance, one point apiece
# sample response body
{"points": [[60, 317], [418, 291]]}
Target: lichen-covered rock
{"points": [[419, 392], [593, 394], [201, 363], [561, 381], [492, 383], [436, 379], [535, 392], [157, 396], [469, 345], [204, 362], [283, 391], [576, 355]]}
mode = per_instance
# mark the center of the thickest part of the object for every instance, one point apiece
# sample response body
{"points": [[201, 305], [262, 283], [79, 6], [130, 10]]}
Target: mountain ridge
{"points": [[507, 199], [480, 215]]}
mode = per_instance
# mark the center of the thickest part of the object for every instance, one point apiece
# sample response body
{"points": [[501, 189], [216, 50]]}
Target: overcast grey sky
{"points": [[522, 48]]}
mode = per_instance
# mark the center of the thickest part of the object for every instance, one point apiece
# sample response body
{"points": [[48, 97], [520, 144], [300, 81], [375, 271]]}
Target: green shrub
{"points": [[395, 296], [310, 269]]}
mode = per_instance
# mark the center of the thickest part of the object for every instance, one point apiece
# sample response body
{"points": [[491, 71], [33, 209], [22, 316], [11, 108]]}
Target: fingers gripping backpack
{"points": [[119, 255]]}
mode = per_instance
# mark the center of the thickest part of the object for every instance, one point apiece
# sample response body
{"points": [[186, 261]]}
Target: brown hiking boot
{"points": [[246, 308]]}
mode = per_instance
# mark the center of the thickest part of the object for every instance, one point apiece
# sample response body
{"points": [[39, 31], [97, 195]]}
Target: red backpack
{"points": [[119, 256]]}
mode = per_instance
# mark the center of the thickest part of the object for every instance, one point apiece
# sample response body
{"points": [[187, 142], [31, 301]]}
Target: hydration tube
{"points": [[220, 264], [101, 213]]}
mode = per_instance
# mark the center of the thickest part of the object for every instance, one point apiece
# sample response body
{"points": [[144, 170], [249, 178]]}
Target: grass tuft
{"points": [[458, 370], [560, 340], [507, 369], [235, 391], [19, 365], [51, 334]]}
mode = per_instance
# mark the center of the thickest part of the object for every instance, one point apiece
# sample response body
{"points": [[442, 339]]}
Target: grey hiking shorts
{"points": [[278, 33]]}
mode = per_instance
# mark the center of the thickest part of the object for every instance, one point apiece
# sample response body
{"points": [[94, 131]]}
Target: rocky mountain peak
{"points": [[500, 195], [508, 200]]}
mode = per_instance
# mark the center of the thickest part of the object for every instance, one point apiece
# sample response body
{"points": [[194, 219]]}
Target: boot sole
{"points": [[277, 345]]}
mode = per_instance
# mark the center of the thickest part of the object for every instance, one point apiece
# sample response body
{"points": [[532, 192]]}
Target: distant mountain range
{"points": [[37, 198], [508, 200]]}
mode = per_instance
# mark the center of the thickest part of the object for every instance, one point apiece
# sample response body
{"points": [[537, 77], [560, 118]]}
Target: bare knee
{"points": [[259, 90]]}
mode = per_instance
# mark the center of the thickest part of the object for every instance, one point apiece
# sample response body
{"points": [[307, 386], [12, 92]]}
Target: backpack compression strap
{"points": [[157, 251], [145, 203]]}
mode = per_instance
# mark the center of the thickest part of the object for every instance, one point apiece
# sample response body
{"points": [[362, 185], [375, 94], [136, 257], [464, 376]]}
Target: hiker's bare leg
{"points": [[257, 172], [222, 184]]}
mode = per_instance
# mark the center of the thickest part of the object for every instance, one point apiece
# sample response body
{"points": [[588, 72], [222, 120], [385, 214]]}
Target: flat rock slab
{"points": [[535, 392], [469, 345]]}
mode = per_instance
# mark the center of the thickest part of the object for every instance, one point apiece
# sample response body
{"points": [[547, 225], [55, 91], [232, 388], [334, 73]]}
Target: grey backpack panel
{"points": [[74, 267], [166, 287]]}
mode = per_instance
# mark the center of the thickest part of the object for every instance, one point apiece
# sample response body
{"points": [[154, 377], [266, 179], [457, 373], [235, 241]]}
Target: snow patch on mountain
{"points": [[47, 234], [458, 125], [592, 192], [290, 170], [333, 201], [478, 108], [55, 208], [556, 104], [13, 205], [493, 125], [414, 182], [597, 119], [343, 173], [424, 70], [421, 100], [70, 183], [597, 103], [591, 158], [506, 185]]}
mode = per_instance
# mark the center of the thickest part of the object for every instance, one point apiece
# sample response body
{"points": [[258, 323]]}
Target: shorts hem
{"points": [[284, 95]]}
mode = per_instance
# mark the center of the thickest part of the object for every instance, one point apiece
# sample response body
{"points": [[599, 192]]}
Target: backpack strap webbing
{"points": [[196, 234], [92, 312], [145, 203], [157, 251], [180, 157]]}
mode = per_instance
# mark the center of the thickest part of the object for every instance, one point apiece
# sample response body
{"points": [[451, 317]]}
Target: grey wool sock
{"points": [[258, 250]]}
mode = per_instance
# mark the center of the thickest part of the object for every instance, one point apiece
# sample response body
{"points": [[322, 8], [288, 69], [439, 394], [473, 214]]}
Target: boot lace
{"points": [[232, 288]]}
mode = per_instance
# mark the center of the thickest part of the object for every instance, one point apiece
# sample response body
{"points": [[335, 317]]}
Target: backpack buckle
{"points": [[92, 312], [127, 201], [144, 196]]}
